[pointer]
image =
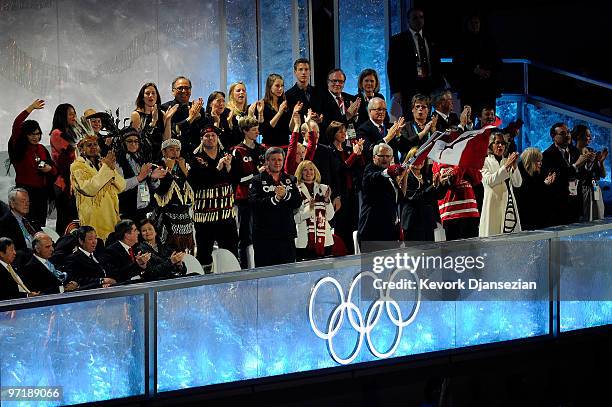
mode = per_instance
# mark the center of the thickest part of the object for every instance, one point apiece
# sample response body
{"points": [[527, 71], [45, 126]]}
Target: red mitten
{"points": [[395, 170]]}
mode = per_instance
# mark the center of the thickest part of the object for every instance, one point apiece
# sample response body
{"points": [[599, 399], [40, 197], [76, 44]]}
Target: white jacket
{"points": [[304, 212], [494, 175]]}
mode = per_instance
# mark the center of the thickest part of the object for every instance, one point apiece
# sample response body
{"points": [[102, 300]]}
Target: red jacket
{"points": [[459, 201], [26, 169]]}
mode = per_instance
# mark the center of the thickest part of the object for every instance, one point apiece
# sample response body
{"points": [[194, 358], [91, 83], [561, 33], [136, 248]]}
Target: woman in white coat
{"points": [[499, 176], [314, 237]]}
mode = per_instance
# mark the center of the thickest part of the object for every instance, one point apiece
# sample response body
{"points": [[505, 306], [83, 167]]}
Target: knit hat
{"points": [[170, 142]]}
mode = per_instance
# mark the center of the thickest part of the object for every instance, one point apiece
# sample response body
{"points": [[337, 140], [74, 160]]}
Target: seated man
{"points": [[39, 274], [11, 284], [83, 266], [16, 226], [123, 263]]}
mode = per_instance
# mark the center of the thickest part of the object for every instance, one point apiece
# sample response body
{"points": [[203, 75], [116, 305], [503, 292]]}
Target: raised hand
{"points": [[298, 106], [358, 146], [170, 112], [36, 105], [283, 106], [144, 172], [280, 192]]}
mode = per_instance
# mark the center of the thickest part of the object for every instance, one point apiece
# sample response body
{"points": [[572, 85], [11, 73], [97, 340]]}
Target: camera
{"points": [[40, 164]]}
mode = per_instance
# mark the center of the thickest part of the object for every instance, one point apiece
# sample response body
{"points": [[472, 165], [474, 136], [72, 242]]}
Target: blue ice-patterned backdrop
{"points": [[363, 41]]}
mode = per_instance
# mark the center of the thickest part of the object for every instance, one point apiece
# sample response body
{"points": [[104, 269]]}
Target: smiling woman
{"points": [[34, 168]]}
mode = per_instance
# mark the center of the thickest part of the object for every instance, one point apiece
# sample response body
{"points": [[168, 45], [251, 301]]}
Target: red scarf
{"points": [[316, 225]]}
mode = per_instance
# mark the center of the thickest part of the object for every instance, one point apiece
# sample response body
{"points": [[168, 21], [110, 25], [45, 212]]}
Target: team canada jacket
{"points": [[273, 218]]}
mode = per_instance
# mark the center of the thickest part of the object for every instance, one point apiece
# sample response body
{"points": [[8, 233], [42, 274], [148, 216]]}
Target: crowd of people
{"points": [[185, 175]]}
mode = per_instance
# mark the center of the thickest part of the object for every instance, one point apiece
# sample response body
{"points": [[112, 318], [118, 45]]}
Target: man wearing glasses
{"points": [[189, 118], [336, 105], [379, 215], [565, 160]]}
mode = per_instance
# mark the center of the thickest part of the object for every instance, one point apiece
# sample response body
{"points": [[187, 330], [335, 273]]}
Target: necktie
{"points": [[566, 154], [422, 54], [28, 227], [17, 279], [381, 129], [340, 103], [131, 252], [60, 275]]}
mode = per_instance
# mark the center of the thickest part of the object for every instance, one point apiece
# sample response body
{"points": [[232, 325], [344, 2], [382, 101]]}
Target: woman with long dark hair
{"points": [[152, 122], [222, 118], [274, 119], [63, 152], [166, 261], [35, 171]]}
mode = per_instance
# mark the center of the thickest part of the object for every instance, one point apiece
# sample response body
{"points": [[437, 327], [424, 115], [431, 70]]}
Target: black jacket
{"points": [[562, 209], [9, 289], [37, 277], [327, 105], [273, 219], [119, 264], [379, 210], [85, 271]]}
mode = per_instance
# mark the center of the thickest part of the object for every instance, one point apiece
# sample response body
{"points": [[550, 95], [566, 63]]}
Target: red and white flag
{"points": [[467, 150]]}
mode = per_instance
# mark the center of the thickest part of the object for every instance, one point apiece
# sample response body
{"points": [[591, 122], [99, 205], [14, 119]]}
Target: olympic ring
{"points": [[372, 316]]}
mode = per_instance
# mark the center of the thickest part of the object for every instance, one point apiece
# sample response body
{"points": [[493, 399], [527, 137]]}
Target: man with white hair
{"points": [[379, 216], [373, 131]]}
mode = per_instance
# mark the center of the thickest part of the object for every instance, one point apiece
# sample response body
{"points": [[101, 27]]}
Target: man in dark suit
{"points": [[373, 131], [16, 226], [564, 159], [302, 91], [39, 274], [123, 263], [414, 64], [442, 100], [379, 216], [190, 116], [334, 104], [83, 265], [11, 284]]}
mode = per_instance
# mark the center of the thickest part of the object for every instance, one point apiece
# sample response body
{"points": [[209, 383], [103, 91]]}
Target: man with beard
{"points": [[274, 198], [97, 185]]}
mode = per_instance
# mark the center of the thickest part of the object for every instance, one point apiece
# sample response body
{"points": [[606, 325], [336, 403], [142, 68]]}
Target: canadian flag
{"points": [[468, 150]]}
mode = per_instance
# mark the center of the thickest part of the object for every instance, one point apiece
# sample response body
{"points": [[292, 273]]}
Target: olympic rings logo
{"points": [[363, 326]]}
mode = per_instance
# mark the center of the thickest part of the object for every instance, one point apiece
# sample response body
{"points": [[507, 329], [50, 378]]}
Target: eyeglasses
{"points": [[501, 143], [183, 88], [380, 109], [384, 155], [132, 141], [339, 81]]}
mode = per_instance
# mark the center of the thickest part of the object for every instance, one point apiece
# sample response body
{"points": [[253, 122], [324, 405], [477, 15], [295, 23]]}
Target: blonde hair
{"points": [[300, 169], [231, 103], [530, 157]]}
